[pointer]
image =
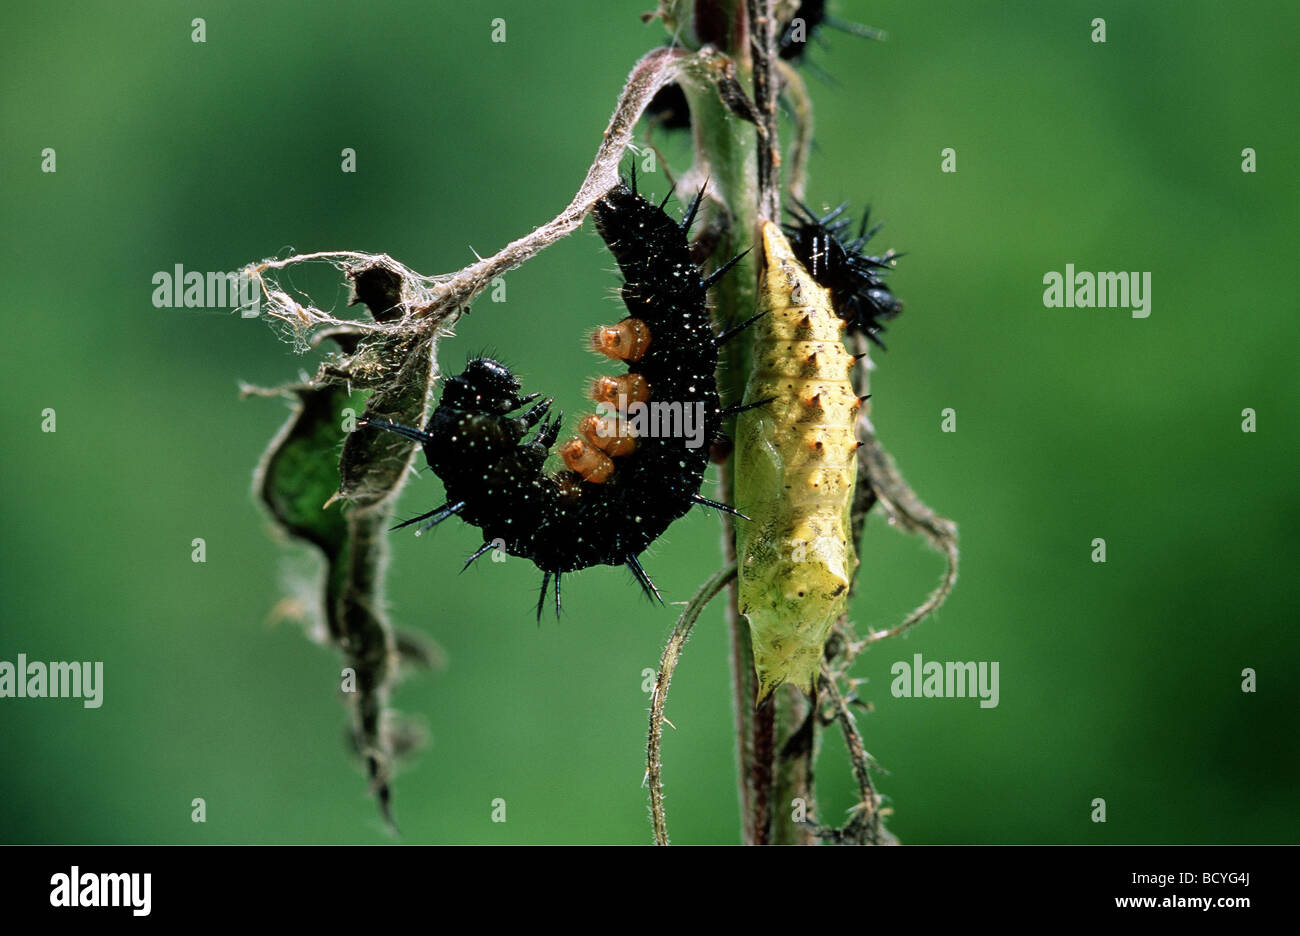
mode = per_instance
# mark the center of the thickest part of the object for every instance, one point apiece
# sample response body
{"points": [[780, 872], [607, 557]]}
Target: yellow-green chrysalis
{"points": [[795, 471]]}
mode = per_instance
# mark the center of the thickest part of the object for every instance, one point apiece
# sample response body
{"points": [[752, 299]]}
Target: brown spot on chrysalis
{"points": [[811, 367], [626, 341], [586, 460], [633, 388]]}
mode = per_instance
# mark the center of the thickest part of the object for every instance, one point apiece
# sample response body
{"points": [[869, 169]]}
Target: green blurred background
{"points": [[1119, 680]]}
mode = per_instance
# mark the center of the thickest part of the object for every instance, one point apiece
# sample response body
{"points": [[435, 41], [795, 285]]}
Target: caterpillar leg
{"points": [[535, 414], [549, 432], [643, 580]]}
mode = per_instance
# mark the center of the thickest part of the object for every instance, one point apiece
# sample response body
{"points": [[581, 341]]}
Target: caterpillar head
{"points": [[485, 386]]}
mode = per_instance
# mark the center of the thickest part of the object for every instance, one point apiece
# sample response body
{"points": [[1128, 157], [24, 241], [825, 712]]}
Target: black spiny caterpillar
{"points": [[858, 290], [622, 487]]}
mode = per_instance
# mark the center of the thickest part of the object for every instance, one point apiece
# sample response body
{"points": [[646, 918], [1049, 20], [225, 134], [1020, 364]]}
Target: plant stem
{"points": [[659, 699], [727, 150]]}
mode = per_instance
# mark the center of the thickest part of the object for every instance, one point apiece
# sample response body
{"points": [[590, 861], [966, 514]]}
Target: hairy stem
{"points": [[725, 147], [659, 697], [742, 158], [762, 50]]}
